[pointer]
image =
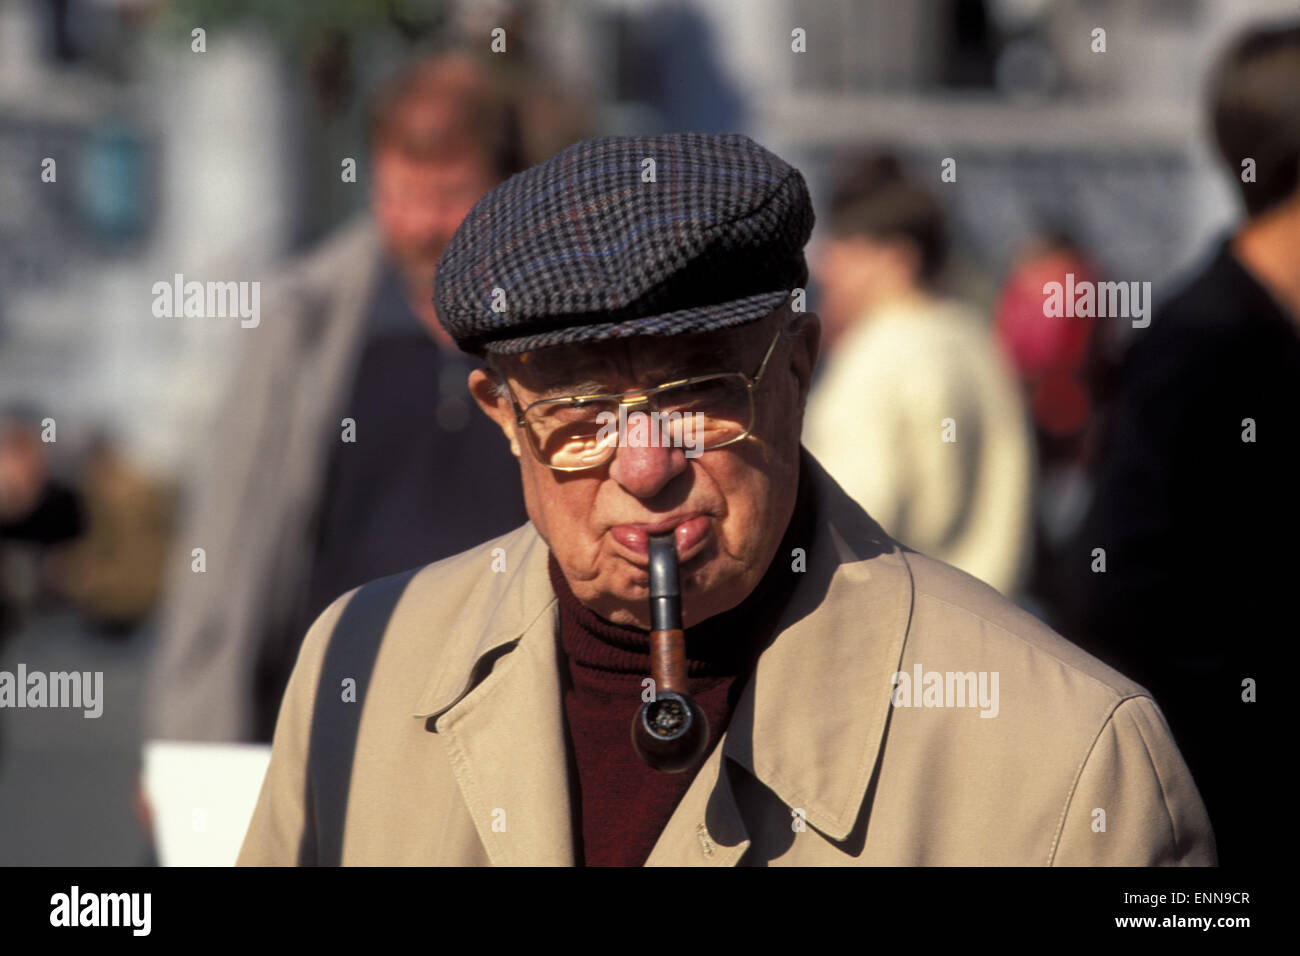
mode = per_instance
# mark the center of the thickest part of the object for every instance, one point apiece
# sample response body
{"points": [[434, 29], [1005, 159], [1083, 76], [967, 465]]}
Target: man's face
{"points": [[22, 470], [419, 204], [852, 273], [728, 506]]}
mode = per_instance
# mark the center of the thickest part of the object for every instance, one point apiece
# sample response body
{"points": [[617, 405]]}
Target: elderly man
{"points": [[866, 705]]}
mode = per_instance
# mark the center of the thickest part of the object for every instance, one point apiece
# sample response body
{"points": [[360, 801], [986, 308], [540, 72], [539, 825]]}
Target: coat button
{"points": [[706, 845]]}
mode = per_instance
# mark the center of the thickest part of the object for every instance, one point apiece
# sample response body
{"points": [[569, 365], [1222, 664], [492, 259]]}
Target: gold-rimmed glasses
{"points": [[703, 412]]}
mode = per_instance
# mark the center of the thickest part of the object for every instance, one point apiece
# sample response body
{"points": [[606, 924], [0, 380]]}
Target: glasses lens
{"points": [[574, 435], [698, 415], [708, 413]]}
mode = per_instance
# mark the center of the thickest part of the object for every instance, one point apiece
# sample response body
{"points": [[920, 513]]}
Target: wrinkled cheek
{"points": [[564, 531], [532, 499]]}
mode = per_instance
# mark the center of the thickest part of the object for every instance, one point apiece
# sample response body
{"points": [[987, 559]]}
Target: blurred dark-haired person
{"points": [[35, 508], [350, 450], [916, 414], [1196, 507]]}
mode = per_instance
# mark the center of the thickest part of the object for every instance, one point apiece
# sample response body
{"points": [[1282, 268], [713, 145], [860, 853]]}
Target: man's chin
{"points": [[631, 579], [419, 272], [706, 590]]}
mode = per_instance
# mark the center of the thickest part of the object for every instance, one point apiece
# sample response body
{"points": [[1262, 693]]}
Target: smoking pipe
{"points": [[669, 732]]}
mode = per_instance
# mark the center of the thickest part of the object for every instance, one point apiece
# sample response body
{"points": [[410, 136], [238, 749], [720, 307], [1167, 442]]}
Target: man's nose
{"points": [[432, 223], [443, 221], [644, 470]]}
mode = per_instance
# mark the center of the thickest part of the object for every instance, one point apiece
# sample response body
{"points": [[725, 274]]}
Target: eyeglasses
{"points": [[578, 432]]}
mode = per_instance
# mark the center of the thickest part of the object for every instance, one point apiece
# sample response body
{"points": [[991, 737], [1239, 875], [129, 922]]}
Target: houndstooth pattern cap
{"points": [[627, 235]]}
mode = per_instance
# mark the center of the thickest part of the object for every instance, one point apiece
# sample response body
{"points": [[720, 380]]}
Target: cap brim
{"points": [[707, 318]]}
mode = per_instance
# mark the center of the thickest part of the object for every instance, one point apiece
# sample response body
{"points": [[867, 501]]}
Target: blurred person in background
{"points": [[35, 507], [916, 414], [114, 573], [1066, 367], [1196, 506], [290, 512], [36, 511]]}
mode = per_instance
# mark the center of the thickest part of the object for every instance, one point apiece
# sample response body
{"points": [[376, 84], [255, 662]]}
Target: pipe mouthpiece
{"points": [[665, 584]]}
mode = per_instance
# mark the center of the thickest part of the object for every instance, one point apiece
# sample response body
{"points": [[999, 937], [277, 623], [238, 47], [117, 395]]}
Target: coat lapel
{"points": [[505, 732], [811, 719], [707, 828]]}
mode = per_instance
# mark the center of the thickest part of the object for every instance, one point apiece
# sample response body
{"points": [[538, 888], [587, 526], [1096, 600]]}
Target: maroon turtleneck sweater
{"points": [[623, 804]]}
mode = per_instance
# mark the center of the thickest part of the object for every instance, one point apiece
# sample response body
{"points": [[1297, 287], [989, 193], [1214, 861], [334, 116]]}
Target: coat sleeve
{"points": [[283, 829], [1134, 802], [202, 673]]}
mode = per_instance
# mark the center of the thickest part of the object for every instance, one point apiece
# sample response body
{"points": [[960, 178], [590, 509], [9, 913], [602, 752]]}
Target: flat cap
{"points": [[627, 235]]}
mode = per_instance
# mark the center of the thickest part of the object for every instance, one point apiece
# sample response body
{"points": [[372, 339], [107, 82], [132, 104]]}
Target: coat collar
{"points": [[809, 723], [811, 720]]}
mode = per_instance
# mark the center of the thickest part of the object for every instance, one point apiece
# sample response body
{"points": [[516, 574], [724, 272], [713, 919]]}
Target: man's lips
{"points": [[688, 530]]}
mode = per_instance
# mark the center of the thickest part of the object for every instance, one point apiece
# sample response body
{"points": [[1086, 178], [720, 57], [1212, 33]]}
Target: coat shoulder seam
{"points": [[1078, 775], [1122, 693]]}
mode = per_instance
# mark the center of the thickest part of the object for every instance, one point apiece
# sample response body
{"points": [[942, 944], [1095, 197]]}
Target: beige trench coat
{"points": [[451, 748]]}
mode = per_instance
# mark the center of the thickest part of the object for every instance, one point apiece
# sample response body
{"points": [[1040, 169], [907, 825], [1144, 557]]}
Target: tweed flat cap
{"points": [[626, 235]]}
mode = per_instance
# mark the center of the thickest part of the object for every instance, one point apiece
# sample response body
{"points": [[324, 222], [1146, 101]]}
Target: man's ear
{"points": [[497, 407]]}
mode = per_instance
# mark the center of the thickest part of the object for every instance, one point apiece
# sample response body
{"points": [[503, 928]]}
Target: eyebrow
{"points": [[589, 387]]}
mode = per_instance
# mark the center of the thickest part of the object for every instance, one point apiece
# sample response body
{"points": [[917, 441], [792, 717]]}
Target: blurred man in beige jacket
{"points": [[939, 452]]}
